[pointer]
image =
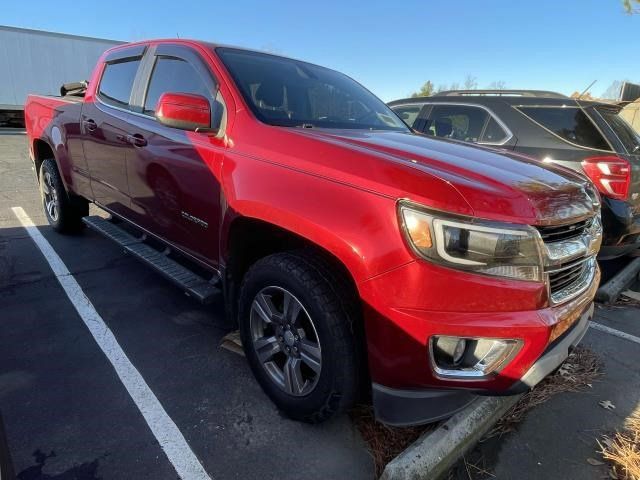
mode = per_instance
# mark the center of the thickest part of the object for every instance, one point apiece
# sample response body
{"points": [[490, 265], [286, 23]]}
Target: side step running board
{"points": [[193, 284]]}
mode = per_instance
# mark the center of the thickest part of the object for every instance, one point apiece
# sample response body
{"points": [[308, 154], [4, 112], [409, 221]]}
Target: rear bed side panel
{"points": [[55, 121]]}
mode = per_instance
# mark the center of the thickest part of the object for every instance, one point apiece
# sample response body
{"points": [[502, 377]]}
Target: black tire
{"points": [[63, 213], [317, 287]]}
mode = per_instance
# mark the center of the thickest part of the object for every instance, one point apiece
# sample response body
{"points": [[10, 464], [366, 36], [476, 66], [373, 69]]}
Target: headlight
{"points": [[491, 248]]}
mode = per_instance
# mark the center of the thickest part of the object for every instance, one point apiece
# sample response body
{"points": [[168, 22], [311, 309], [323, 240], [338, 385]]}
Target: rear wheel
{"points": [[298, 337], [64, 214]]}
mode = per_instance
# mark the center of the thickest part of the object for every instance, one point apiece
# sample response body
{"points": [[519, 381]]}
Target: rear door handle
{"points": [[89, 125], [136, 140]]}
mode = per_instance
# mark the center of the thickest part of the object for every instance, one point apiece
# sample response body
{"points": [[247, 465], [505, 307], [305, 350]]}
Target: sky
{"points": [[391, 47]]}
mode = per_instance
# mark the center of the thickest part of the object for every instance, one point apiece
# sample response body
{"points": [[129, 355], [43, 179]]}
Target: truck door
{"points": [[174, 190], [104, 128]]}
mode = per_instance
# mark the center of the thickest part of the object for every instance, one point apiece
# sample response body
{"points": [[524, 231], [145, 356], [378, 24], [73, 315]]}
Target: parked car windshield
{"points": [[627, 135], [287, 92]]}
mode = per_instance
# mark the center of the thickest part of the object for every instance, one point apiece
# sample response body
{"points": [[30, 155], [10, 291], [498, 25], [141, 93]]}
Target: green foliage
{"points": [[631, 6], [470, 83], [425, 91]]}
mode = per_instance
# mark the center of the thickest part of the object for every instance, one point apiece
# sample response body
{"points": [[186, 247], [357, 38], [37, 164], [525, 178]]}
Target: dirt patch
{"points": [[578, 372], [580, 369], [385, 442], [626, 301]]}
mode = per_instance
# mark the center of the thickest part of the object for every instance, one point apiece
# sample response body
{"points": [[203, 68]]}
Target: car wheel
{"points": [[298, 336], [63, 214]]}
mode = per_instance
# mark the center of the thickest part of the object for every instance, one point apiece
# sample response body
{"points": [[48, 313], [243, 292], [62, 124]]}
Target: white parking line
{"points": [[613, 331], [163, 428]]}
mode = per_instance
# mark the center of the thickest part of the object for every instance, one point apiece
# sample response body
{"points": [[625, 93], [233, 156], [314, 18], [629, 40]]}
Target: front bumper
{"points": [[401, 407], [406, 389], [556, 353]]}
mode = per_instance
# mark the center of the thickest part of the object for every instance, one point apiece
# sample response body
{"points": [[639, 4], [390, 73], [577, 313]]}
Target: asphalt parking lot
{"points": [[557, 438], [66, 412]]}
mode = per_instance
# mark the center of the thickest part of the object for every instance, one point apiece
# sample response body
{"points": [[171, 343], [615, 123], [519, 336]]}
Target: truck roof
{"points": [[209, 45]]}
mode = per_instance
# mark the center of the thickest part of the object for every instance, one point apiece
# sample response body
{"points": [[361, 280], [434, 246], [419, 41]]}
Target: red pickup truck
{"points": [[355, 256]]}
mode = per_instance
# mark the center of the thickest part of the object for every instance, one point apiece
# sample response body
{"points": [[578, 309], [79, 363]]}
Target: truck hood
{"points": [[497, 184]]}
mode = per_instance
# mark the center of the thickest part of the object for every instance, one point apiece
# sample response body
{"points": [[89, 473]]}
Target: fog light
{"points": [[449, 350], [460, 357]]}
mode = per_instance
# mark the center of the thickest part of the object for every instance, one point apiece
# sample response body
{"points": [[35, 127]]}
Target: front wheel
{"points": [[63, 214], [298, 336]]}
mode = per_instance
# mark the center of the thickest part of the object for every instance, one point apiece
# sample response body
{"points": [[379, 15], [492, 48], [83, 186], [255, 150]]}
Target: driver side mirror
{"points": [[185, 111]]}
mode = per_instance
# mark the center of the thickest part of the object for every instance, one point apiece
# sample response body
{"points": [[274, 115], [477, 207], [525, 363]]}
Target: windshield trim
{"points": [[220, 50]]}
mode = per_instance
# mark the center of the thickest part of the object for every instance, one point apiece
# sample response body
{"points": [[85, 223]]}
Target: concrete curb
{"points": [[610, 291], [433, 454]]}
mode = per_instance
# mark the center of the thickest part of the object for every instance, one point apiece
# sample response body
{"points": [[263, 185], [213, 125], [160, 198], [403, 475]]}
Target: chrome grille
{"points": [[568, 281], [565, 276], [564, 232], [570, 257]]}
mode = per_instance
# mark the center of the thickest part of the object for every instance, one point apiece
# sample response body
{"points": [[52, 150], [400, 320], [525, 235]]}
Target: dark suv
{"points": [[586, 136]]}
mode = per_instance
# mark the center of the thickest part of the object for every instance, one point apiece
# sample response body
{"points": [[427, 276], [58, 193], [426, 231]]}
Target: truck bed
{"points": [[42, 111]]}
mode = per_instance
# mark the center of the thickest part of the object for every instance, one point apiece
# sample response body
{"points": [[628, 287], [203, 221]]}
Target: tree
{"points": [[470, 82], [498, 85], [426, 90], [631, 6], [444, 87]]}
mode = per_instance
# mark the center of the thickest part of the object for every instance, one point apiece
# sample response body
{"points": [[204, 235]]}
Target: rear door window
{"points": [[568, 123], [117, 81], [460, 122], [629, 138], [408, 113], [493, 132]]}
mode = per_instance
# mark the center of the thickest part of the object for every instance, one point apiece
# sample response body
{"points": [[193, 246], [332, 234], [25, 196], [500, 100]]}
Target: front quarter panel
{"points": [[358, 227]]}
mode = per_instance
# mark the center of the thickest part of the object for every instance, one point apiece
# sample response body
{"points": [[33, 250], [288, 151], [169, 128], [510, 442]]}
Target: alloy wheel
{"points": [[285, 341], [50, 197]]}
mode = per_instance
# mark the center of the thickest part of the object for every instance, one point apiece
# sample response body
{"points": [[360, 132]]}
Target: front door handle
{"points": [[89, 125], [136, 140]]}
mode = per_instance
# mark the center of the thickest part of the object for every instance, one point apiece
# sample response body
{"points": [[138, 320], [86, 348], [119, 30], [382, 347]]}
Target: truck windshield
{"points": [[287, 92]]}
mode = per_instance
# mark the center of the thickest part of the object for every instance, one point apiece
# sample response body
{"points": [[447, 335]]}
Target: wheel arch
{"points": [[41, 152], [249, 239]]}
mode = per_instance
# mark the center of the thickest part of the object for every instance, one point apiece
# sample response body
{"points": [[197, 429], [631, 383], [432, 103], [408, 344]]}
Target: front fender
{"points": [[358, 227]]}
